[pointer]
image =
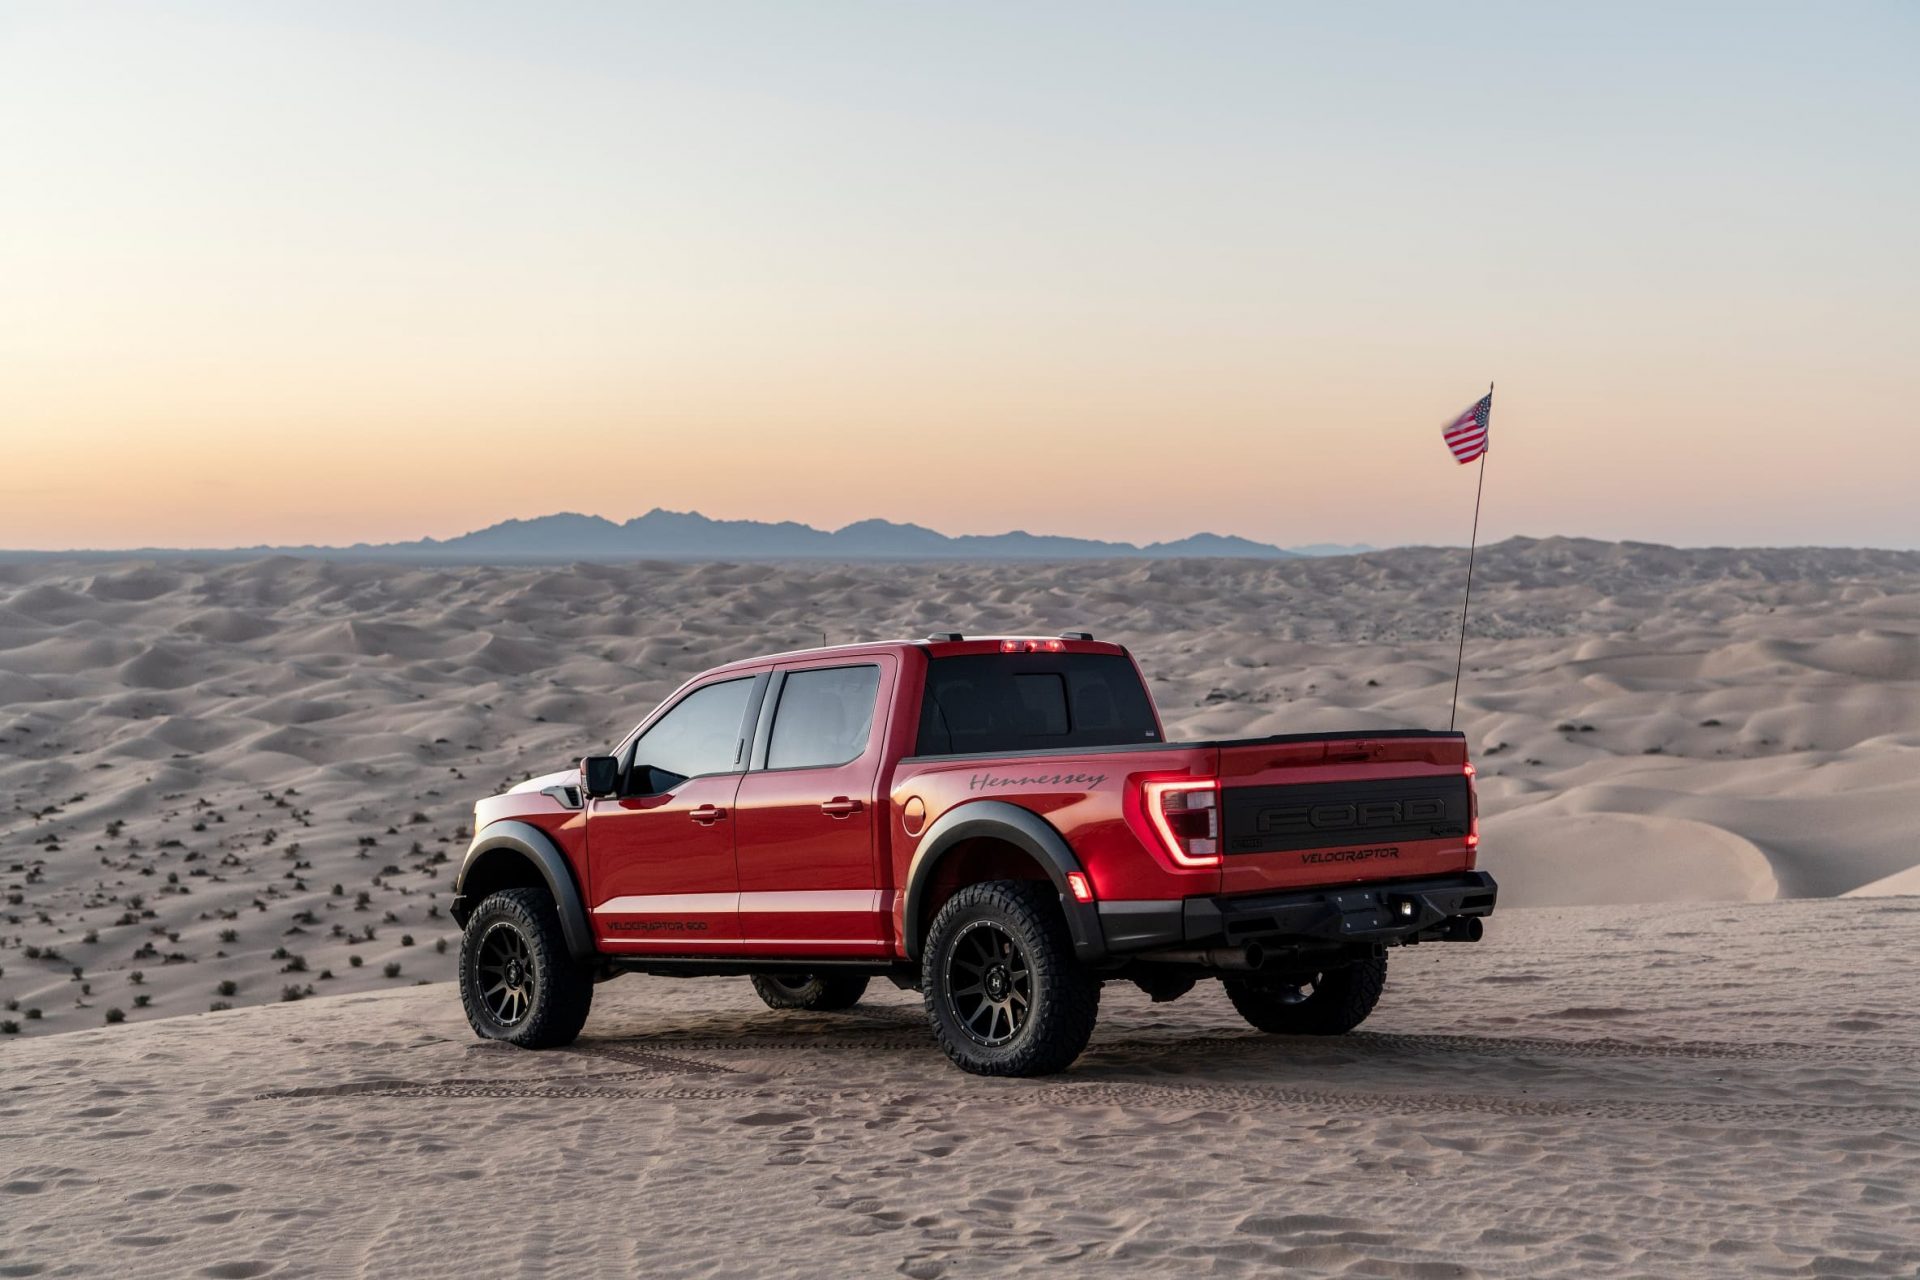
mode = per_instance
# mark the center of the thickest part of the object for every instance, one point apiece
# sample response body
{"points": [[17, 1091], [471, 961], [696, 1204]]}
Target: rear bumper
{"points": [[1382, 912]]}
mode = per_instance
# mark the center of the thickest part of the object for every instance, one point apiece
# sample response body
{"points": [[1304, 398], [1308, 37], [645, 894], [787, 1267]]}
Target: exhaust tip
{"points": [[1256, 955]]}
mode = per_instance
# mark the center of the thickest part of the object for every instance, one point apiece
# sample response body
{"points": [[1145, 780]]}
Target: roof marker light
{"points": [[1033, 646]]}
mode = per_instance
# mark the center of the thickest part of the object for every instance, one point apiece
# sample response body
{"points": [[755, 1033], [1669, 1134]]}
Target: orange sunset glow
{"points": [[286, 276]]}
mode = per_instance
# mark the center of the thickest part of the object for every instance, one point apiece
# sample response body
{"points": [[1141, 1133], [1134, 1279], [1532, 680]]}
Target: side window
{"points": [[824, 717], [700, 735]]}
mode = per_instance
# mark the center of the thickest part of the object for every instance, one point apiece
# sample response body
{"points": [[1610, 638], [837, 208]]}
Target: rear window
{"points": [[824, 718], [991, 703]]}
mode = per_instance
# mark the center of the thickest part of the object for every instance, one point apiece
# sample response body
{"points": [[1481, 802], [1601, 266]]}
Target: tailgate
{"points": [[1340, 809]]}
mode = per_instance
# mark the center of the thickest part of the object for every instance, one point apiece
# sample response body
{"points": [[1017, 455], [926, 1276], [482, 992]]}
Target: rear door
{"points": [[806, 848], [661, 853], [1344, 809]]}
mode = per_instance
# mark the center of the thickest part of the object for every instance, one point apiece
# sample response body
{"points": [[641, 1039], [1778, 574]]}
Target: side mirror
{"points": [[600, 775]]}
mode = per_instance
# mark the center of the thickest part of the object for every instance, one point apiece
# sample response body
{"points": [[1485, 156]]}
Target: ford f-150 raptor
{"points": [[997, 822]]}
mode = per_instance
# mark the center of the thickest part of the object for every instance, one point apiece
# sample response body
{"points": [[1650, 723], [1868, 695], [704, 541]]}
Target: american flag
{"points": [[1466, 435]]}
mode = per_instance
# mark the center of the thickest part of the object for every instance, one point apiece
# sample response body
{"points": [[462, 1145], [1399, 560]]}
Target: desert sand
{"points": [[233, 783], [1699, 1090]]}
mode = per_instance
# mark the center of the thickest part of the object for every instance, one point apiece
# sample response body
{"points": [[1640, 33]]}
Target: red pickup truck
{"points": [[996, 822]]}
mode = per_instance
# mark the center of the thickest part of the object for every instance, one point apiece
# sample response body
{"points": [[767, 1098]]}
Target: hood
{"points": [[561, 778]]}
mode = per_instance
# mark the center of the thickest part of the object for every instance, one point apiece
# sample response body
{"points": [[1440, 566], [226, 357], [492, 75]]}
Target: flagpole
{"points": [[1459, 660]]}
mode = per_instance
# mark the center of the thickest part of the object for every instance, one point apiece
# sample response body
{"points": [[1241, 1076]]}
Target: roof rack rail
{"points": [[946, 635], [1076, 635]]}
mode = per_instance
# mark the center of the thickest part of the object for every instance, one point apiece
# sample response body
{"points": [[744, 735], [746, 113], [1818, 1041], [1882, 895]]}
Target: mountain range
{"points": [[688, 535], [684, 535]]}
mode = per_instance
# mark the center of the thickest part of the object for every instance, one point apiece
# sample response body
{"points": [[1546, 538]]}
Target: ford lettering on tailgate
{"points": [[1321, 815]]}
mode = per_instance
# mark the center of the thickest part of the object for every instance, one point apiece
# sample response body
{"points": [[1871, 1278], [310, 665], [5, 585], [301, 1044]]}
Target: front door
{"points": [[810, 879], [661, 852]]}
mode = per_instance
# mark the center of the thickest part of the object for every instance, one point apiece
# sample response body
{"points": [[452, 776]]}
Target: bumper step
{"points": [[1389, 911]]}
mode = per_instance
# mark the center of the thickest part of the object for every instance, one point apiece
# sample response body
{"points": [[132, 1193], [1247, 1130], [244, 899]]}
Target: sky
{"points": [[284, 273]]}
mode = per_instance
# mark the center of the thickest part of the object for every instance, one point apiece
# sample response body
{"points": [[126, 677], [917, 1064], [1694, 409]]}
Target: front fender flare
{"points": [[538, 848], [1025, 830]]}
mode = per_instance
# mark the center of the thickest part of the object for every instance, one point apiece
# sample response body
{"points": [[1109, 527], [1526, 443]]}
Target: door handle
{"points": [[841, 807], [707, 814]]}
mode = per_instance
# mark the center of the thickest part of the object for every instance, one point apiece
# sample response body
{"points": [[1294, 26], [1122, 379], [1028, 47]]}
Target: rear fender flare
{"points": [[1024, 830], [536, 847]]}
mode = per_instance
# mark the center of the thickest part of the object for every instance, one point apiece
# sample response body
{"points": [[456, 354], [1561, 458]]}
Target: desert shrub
{"points": [[229, 935], [218, 1006], [356, 961], [391, 969], [33, 1013], [136, 977], [406, 939], [9, 1028], [116, 1015], [227, 987], [292, 991], [142, 1000], [294, 964], [440, 945]]}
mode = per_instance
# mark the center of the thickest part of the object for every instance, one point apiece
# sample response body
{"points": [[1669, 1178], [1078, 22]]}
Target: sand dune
{"points": [[1706, 1090], [243, 782]]}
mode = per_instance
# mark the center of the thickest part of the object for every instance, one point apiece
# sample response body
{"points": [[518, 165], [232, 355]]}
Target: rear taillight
{"points": [[1186, 814], [1473, 808]]}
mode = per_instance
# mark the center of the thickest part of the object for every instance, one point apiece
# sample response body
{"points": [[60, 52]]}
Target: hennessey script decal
{"points": [[993, 782]]}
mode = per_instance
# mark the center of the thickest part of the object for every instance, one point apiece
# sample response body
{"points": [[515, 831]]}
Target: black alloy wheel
{"points": [[989, 984], [814, 992], [507, 973]]}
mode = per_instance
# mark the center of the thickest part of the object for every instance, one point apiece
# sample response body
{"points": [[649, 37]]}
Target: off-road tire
{"points": [[1340, 999], [1062, 997], [558, 989], [815, 992]]}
